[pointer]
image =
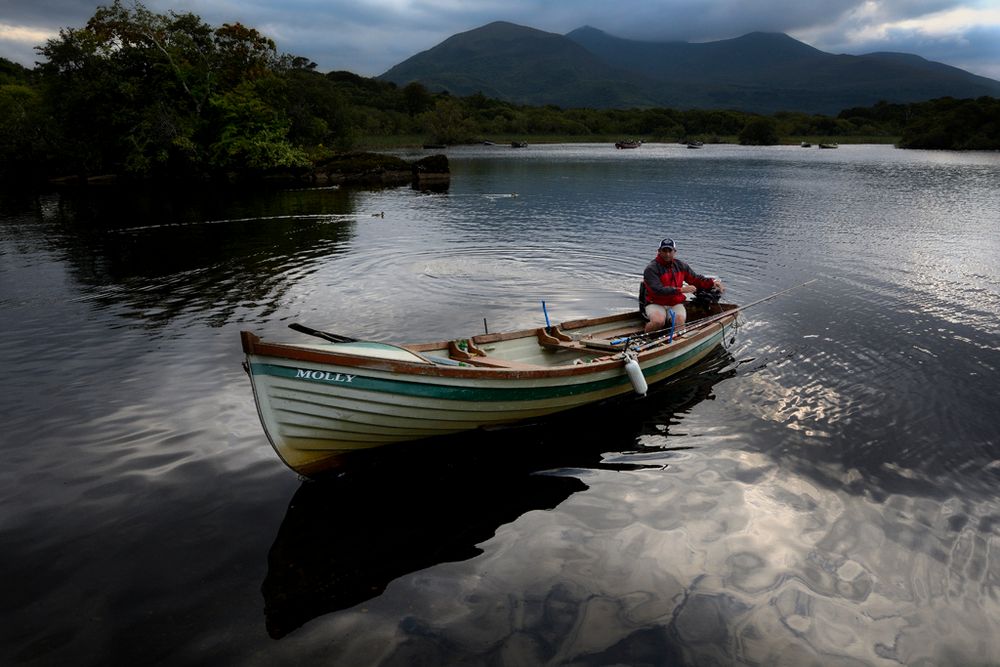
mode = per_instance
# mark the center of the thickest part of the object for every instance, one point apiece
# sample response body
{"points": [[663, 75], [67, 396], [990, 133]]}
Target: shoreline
{"points": [[381, 143]]}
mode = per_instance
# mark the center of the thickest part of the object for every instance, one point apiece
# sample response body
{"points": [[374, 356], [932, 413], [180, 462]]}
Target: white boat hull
{"points": [[316, 406]]}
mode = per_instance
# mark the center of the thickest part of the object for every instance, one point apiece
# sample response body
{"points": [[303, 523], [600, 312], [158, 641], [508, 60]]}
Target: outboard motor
{"points": [[707, 297]]}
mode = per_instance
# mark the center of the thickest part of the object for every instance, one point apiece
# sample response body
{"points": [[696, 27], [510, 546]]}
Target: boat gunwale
{"points": [[254, 345]]}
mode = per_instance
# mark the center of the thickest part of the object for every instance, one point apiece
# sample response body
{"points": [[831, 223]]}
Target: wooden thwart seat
{"points": [[472, 355], [554, 338]]}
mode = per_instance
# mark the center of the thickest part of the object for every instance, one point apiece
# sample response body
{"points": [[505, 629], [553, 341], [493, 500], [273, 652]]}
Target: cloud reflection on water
{"points": [[725, 557]]}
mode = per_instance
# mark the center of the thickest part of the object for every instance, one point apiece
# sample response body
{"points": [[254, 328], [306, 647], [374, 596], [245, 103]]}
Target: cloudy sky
{"points": [[370, 36]]}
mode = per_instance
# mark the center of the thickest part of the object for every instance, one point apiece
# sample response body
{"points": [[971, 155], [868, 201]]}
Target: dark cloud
{"points": [[47, 13], [695, 20], [976, 49]]}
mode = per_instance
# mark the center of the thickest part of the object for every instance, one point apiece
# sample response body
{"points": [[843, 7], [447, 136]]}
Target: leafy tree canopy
{"points": [[947, 123], [759, 131], [140, 93]]}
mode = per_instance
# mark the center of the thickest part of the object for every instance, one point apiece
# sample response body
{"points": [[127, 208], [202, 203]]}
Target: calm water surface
{"points": [[822, 491]]}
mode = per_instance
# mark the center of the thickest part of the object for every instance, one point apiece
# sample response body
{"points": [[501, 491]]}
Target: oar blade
{"points": [[325, 335]]}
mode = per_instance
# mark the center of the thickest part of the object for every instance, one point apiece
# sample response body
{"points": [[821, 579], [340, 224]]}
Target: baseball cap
{"points": [[668, 243]]}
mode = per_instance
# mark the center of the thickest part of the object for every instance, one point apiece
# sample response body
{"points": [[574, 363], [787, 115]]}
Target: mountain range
{"points": [[759, 72]]}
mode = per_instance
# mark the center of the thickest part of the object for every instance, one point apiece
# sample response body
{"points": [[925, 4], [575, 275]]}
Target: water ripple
{"points": [[823, 490]]}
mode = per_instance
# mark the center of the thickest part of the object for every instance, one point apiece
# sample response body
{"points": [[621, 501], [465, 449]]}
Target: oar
{"points": [[325, 335]]}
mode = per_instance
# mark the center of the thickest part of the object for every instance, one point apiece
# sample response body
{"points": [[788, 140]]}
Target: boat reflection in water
{"points": [[403, 509], [342, 542]]}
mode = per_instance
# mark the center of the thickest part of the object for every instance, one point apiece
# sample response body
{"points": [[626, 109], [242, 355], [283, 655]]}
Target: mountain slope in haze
{"points": [[762, 72]]}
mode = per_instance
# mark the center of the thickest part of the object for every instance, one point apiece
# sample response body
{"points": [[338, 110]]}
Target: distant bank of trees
{"points": [[953, 124], [147, 95]]}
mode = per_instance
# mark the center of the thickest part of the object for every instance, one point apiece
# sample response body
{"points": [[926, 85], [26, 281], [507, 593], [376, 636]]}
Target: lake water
{"points": [[822, 491]]}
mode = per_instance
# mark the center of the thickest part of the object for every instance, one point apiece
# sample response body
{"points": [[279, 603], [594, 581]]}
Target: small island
{"points": [[369, 169]]}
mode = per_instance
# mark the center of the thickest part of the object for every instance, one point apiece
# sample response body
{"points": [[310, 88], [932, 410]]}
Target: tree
{"points": [[947, 123], [316, 109], [140, 93], [22, 142], [759, 131], [253, 135], [447, 123], [417, 99], [242, 54], [11, 72]]}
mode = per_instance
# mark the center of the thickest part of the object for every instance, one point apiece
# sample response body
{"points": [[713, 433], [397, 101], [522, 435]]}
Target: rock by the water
{"points": [[378, 169]]}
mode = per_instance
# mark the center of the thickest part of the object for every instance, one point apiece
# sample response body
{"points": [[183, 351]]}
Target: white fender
{"points": [[635, 375]]}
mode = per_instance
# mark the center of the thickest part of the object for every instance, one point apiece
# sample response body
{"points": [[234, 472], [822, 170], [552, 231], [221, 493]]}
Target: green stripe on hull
{"points": [[348, 381]]}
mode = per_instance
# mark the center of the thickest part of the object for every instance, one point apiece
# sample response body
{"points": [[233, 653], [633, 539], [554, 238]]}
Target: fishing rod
{"points": [[714, 318], [657, 336]]}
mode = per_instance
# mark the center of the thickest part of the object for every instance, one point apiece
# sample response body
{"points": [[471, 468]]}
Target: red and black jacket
{"points": [[663, 281]]}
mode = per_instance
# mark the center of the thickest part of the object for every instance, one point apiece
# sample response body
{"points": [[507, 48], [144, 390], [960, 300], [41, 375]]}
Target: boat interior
{"points": [[568, 343]]}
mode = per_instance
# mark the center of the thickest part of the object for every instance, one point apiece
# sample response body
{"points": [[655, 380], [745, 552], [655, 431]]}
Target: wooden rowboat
{"points": [[320, 401]]}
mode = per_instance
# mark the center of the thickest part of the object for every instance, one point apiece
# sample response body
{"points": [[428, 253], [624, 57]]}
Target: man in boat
{"points": [[666, 282]]}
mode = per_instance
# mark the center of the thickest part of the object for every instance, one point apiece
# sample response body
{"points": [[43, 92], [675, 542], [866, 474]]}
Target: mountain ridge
{"points": [[760, 72], [490, 60]]}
